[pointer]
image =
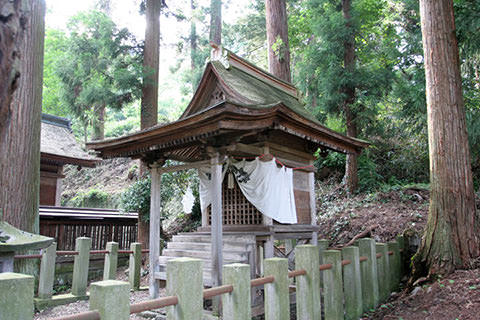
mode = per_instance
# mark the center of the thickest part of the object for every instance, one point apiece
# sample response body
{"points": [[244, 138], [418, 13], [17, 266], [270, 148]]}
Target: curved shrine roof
{"points": [[234, 99]]}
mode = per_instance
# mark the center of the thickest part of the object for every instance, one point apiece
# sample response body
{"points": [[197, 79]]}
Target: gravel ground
{"points": [[82, 306]]}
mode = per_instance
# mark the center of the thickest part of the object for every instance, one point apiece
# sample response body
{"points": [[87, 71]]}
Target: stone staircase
{"points": [[237, 247]]}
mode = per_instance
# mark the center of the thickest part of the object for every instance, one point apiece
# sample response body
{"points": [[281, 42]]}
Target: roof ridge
{"points": [[228, 59]]}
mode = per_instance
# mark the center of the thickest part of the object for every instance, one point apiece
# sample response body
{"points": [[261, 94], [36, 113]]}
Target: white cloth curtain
{"points": [[205, 189], [267, 187]]}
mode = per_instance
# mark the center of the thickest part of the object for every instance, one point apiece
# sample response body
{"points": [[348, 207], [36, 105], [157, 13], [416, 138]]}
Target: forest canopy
{"points": [[94, 64]]}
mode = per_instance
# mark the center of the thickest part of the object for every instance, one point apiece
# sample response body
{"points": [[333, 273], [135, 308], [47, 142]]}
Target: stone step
{"points": [[206, 246], [206, 262], [206, 238], [207, 277], [227, 255]]}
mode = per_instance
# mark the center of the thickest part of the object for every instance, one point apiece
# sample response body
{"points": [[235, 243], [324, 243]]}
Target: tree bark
{"points": [[149, 107], [20, 148], [451, 235], [277, 38], [12, 28], [151, 54], [216, 22], [193, 44], [99, 123], [20, 144], [351, 167]]}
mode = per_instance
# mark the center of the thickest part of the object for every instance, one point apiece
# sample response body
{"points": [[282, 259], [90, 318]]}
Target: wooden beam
{"points": [[155, 207], [186, 166], [294, 152], [217, 215]]}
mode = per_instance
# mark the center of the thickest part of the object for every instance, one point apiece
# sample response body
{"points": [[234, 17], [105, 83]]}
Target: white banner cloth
{"points": [[267, 187]]}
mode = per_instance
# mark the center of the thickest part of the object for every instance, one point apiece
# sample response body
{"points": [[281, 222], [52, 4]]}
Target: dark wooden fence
{"points": [[101, 225]]}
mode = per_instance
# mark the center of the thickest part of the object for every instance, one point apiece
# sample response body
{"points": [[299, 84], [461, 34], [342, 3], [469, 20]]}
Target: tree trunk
{"points": [[151, 53], [193, 44], [99, 123], [451, 235], [149, 108], [12, 29], [277, 38], [351, 167], [20, 146], [216, 22]]}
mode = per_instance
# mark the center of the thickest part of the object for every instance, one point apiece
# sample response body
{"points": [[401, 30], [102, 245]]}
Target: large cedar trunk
{"points": [[193, 43], [351, 167], [216, 22], [451, 235], [151, 53], [99, 123], [277, 38], [149, 108], [20, 146], [12, 31]]}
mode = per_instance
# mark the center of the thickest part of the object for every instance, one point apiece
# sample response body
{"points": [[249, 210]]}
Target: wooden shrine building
{"points": [[238, 112], [58, 147]]}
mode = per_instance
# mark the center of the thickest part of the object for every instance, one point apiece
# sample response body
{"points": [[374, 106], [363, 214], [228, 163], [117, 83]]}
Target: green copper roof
{"points": [[259, 92]]}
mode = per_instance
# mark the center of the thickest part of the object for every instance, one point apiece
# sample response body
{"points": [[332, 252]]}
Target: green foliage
{"points": [[137, 197], [93, 198], [100, 67]]}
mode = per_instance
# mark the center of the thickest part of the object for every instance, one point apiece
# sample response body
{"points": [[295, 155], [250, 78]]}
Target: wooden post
{"points": [[217, 214], [154, 230], [313, 205]]}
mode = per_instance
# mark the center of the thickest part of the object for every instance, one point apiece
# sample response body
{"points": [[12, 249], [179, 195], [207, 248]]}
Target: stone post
{"points": [[47, 272], [277, 302], [352, 283], [333, 292], [395, 269], [322, 246], [401, 247], [383, 272], [111, 298], [80, 266], [135, 265], [237, 304], [111, 261], [16, 296], [308, 293], [185, 280], [368, 270]]}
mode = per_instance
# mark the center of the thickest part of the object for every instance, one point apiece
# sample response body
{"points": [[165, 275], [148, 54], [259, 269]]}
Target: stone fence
{"points": [[335, 284], [46, 297]]}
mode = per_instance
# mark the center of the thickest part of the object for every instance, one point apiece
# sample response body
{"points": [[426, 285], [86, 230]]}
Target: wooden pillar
{"points": [[216, 228], [313, 205], [156, 177]]}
